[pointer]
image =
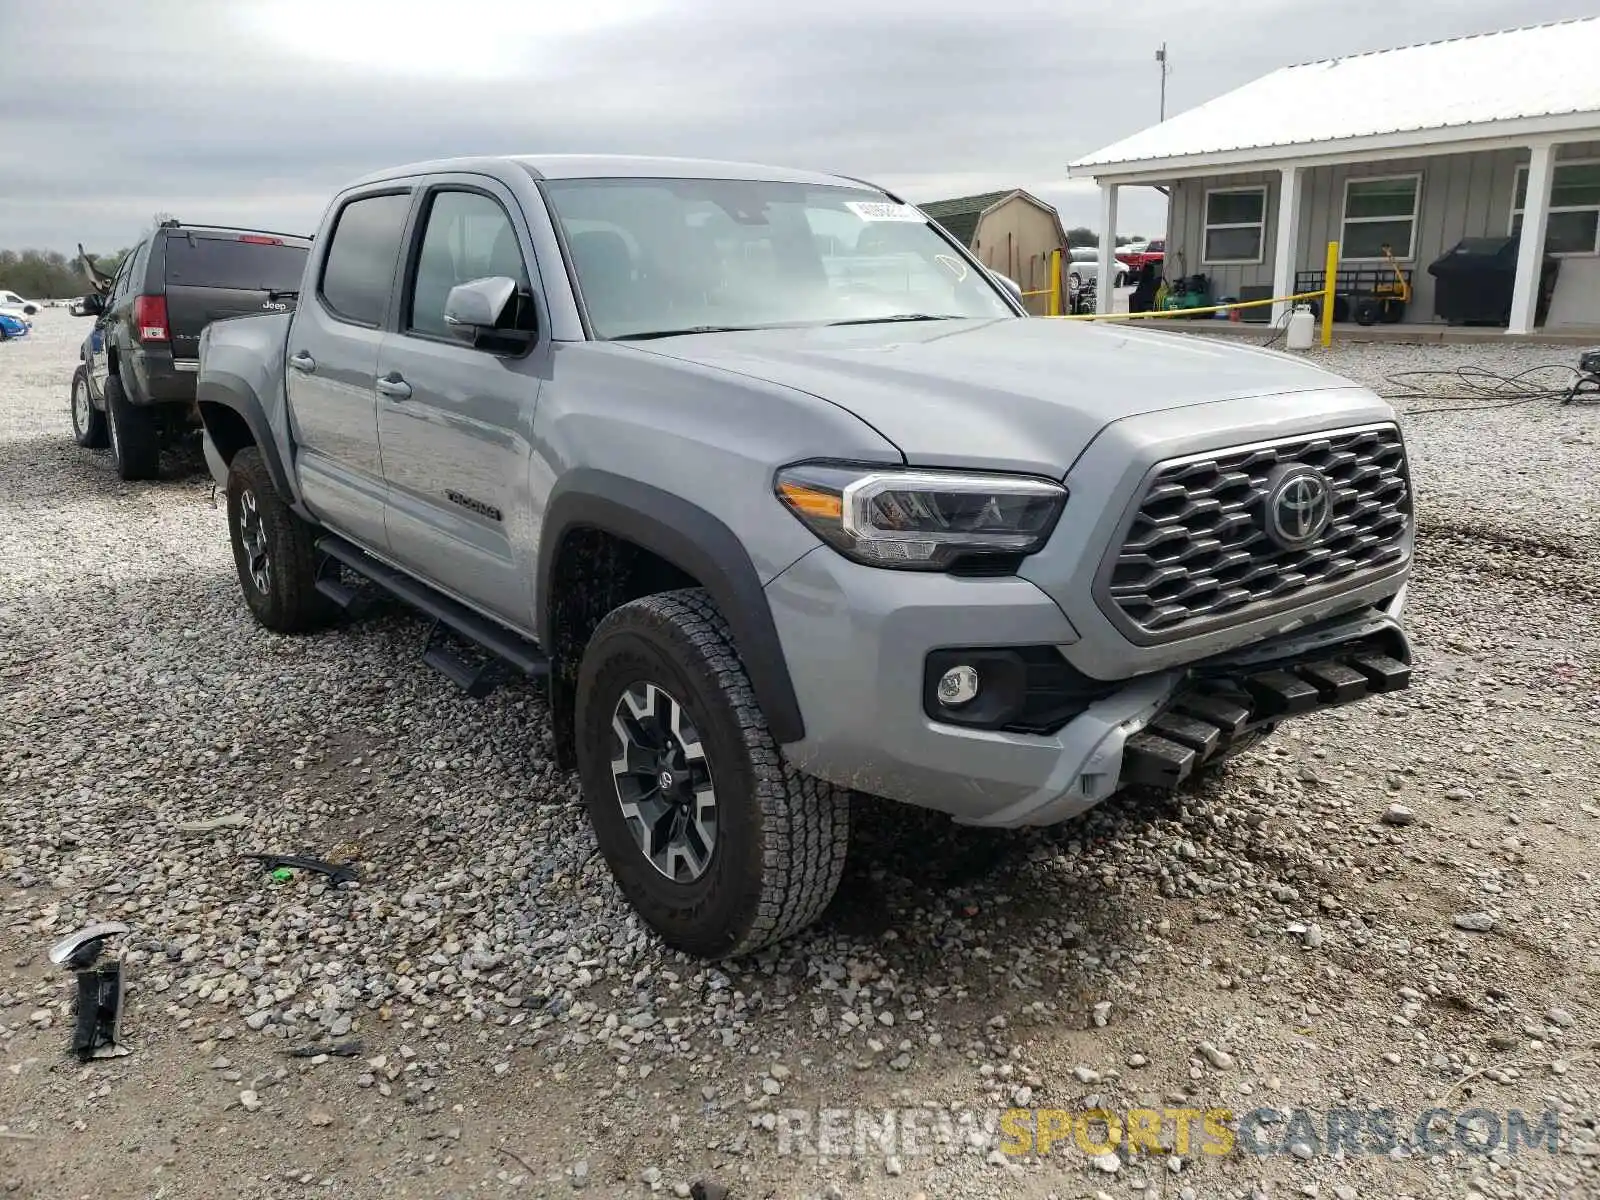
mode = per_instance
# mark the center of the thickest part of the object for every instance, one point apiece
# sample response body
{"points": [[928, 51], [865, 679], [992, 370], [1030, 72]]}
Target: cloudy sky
{"points": [[253, 111]]}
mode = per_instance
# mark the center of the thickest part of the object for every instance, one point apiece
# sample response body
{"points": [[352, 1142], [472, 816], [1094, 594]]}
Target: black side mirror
{"points": [[93, 304], [488, 312]]}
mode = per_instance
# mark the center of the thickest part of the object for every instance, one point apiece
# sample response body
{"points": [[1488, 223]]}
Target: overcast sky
{"points": [[254, 111]]}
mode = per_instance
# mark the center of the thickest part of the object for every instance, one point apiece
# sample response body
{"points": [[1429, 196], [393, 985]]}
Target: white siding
{"points": [[1463, 195]]}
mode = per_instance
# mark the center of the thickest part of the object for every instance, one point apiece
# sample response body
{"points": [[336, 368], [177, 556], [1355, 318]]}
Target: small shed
{"points": [[1012, 232], [1493, 136]]}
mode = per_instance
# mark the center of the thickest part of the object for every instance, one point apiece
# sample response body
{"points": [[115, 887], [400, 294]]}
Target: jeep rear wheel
{"points": [[135, 435], [719, 845], [274, 550], [88, 422]]}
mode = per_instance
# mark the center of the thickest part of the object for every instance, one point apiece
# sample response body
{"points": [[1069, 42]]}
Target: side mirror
{"points": [[1010, 285], [93, 304], [484, 309]]}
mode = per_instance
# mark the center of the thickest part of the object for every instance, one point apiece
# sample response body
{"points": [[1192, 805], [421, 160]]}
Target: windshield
{"points": [[659, 256]]}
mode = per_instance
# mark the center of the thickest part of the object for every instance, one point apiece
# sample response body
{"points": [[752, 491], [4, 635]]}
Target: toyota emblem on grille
{"points": [[1299, 506]]}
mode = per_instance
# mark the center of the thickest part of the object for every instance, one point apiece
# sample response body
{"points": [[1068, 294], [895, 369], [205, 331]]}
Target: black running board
{"points": [[502, 646], [1214, 711]]}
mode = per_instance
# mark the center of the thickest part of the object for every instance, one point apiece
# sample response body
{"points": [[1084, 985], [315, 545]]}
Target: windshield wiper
{"points": [[898, 317], [662, 333]]}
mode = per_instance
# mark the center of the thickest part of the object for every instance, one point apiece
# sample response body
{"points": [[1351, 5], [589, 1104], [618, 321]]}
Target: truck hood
{"points": [[1009, 394]]}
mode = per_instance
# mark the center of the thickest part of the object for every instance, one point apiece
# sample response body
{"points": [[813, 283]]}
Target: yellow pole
{"points": [[1332, 266], [1054, 304]]}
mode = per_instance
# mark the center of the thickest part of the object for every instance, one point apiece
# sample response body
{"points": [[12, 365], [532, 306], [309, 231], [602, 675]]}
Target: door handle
{"points": [[392, 386], [303, 362]]}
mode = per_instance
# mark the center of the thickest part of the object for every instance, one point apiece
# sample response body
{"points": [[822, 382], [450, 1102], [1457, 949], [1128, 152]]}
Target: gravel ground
{"points": [[1390, 907]]}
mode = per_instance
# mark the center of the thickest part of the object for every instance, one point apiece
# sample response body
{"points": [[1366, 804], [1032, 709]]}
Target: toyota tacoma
{"points": [[786, 497]]}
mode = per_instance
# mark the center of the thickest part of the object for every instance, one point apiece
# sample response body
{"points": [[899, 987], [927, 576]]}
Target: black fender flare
{"points": [[692, 539], [229, 391]]}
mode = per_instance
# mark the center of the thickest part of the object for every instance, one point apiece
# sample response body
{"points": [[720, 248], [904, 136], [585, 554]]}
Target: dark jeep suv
{"points": [[135, 389]]}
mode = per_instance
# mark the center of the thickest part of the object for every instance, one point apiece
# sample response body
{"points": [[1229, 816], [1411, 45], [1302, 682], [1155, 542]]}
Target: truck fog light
{"points": [[957, 686]]}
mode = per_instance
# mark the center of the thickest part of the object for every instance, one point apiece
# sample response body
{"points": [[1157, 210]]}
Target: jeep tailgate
{"points": [[211, 275]]}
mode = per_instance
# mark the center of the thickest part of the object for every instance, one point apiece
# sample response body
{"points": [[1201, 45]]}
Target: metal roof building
{"points": [[1415, 148]]}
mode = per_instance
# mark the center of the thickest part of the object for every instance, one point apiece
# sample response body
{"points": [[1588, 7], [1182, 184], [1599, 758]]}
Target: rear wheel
{"points": [[88, 422], [273, 549], [135, 435], [720, 846]]}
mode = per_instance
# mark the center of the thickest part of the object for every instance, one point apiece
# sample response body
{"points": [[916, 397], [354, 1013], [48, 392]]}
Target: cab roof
{"points": [[614, 166]]}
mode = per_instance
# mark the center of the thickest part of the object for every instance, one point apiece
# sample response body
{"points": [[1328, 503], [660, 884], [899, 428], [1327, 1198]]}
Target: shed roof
{"points": [[960, 215], [1465, 87]]}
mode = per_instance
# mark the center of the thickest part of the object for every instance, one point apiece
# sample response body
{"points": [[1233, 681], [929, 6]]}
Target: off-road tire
{"points": [[135, 435], [88, 422], [781, 836], [290, 602]]}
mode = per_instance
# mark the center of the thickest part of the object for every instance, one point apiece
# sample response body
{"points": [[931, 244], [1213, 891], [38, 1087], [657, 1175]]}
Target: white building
{"points": [[1488, 136]]}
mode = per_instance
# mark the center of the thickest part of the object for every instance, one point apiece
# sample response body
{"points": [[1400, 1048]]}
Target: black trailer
{"points": [[1365, 295]]}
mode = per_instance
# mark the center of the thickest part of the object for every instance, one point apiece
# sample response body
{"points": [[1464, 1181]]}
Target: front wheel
{"points": [[274, 550], [720, 846], [88, 422]]}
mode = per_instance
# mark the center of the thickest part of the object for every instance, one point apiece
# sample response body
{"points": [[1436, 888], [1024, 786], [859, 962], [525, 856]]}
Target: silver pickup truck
{"points": [[786, 497]]}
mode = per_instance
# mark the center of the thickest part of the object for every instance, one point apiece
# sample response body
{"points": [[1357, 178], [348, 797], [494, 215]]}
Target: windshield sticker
{"points": [[952, 264], [880, 210]]}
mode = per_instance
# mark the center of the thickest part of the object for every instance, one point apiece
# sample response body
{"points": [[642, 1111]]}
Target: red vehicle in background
{"points": [[1136, 254]]}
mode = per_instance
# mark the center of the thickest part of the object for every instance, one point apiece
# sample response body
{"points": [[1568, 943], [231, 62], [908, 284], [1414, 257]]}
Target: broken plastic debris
{"points": [[97, 1030], [338, 872]]}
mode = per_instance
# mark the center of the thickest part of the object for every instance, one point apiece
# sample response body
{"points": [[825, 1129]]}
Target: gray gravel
{"points": [[1291, 934]]}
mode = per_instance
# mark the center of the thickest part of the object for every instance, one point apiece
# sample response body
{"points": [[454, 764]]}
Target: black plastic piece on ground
{"points": [[1383, 673], [1155, 761], [1214, 710], [1336, 682], [1280, 694], [95, 1025], [496, 639], [1200, 736], [338, 872]]}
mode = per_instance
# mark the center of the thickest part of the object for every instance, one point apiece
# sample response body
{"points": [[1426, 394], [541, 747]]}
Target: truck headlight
{"points": [[922, 520]]}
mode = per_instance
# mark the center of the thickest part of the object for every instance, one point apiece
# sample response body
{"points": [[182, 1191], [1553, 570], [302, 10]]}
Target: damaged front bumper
{"points": [[860, 644], [1160, 730], [1218, 708]]}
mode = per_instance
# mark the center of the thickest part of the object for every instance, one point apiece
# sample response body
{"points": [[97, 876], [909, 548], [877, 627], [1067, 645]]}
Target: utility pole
{"points": [[1161, 61]]}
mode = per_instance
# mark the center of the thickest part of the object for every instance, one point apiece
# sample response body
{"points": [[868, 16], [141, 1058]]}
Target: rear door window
{"points": [[365, 247], [246, 266]]}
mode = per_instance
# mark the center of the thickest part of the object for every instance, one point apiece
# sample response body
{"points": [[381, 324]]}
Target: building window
{"points": [[1235, 225], [1574, 224], [1379, 213]]}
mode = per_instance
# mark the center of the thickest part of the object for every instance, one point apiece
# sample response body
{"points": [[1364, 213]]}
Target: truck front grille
{"points": [[1195, 554]]}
